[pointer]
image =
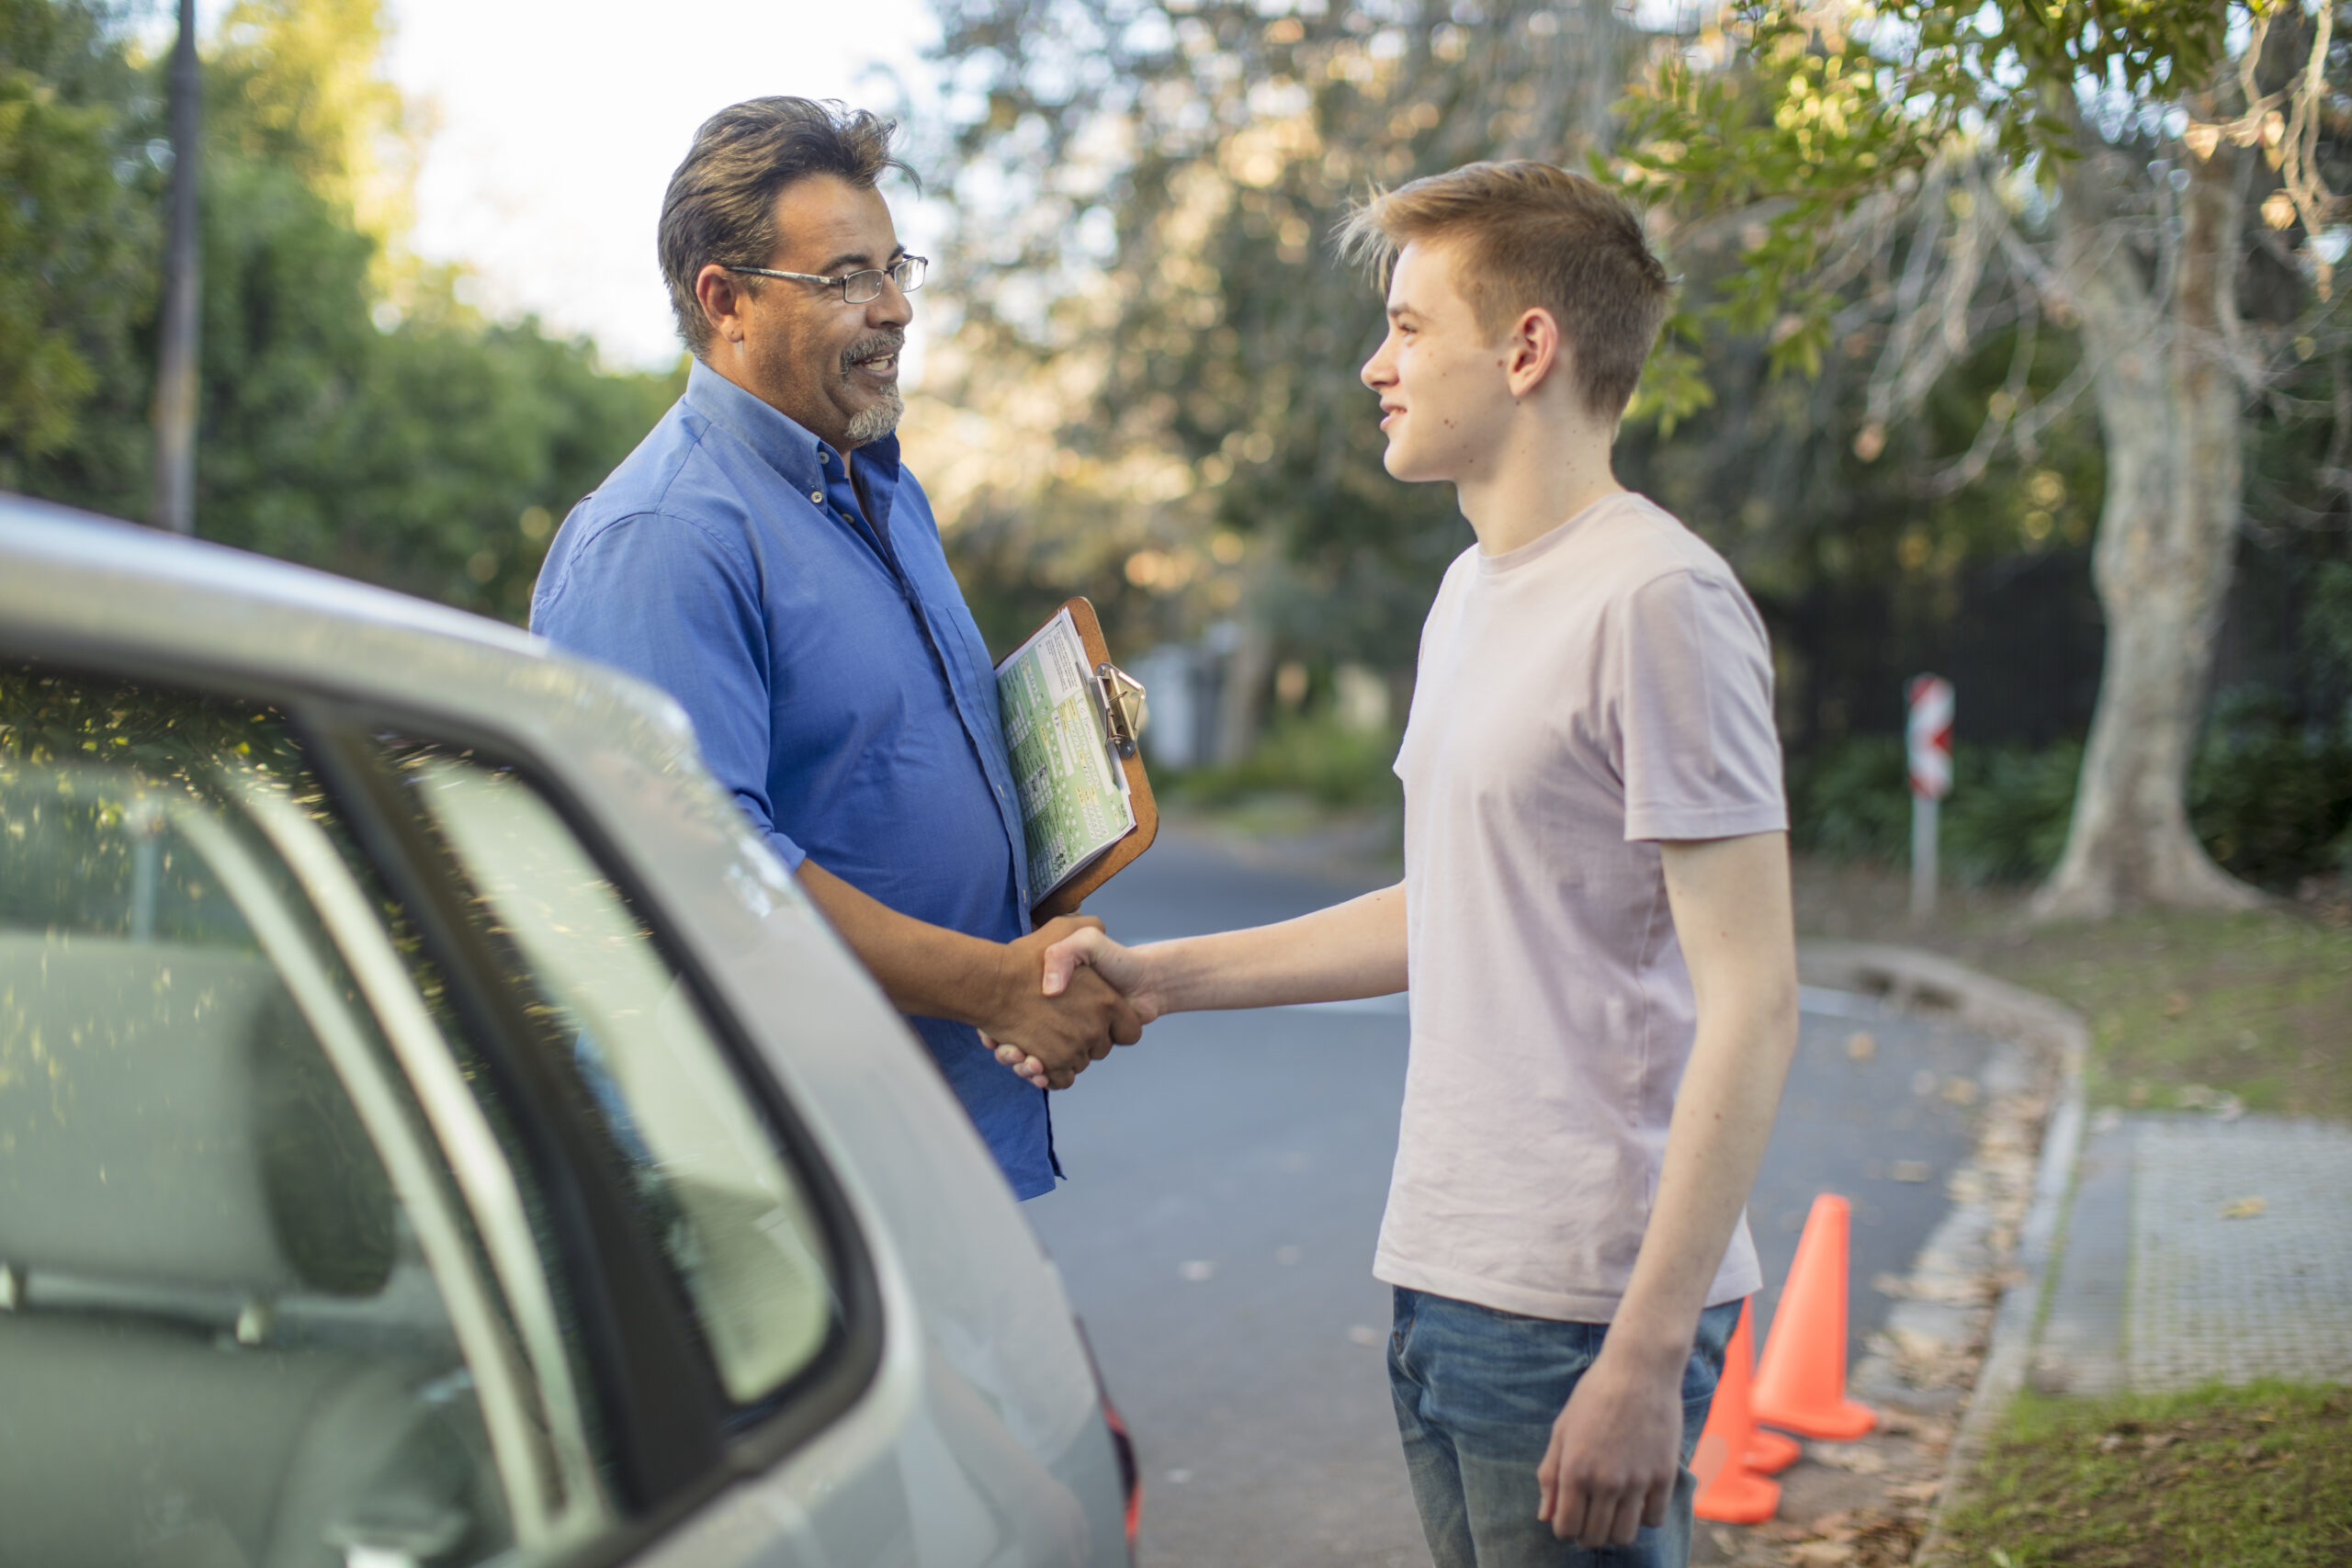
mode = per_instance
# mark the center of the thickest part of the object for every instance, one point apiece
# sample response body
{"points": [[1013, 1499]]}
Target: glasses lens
{"points": [[907, 273], [860, 288]]}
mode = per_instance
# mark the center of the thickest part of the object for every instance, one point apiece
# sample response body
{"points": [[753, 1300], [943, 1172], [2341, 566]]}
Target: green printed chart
{"points": [[1074, 801]]}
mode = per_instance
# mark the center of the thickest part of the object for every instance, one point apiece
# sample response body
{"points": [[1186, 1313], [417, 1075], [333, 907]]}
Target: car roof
{"points": [[77, 587]]}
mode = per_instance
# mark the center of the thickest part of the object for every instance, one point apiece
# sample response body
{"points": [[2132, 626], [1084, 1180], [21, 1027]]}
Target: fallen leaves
{"points": [[1853, 1457]]}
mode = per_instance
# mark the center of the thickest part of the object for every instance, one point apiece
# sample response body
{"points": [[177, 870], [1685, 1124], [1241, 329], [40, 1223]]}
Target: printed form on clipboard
{"points": [[1076, 799]]}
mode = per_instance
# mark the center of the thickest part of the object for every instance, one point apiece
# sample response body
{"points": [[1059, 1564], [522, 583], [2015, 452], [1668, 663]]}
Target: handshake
{"points": [[1068, 993]]}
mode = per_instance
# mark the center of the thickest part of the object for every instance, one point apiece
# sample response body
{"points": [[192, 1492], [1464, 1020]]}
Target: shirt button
{"points": [[818, 496]]}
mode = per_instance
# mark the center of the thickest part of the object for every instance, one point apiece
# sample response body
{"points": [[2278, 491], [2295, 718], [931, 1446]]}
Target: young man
{"points": [[1595, 910], [763, 557]]}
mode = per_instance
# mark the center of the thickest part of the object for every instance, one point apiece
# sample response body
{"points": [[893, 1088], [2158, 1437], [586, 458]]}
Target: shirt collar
{"points": [[781, 442]]}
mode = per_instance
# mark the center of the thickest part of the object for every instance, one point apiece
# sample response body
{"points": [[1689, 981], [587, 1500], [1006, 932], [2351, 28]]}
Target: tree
{"points": [[354, 414], [74, 234], [1150, 395], [2102, 167]]}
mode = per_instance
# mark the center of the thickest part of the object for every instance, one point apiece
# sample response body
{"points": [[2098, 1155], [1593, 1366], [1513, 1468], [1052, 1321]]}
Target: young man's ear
{"points": [[1533, 352]]}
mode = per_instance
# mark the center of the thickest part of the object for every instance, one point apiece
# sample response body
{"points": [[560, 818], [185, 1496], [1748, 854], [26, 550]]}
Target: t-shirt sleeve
{"points": [[1693, 679], [663, 599]]}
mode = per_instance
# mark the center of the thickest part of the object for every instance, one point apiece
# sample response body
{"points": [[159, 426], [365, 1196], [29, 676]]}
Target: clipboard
{"points": [[1119, 702]]}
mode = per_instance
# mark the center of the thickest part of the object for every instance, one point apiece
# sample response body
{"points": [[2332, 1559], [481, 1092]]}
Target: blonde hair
{"points": [[1531, 236]]}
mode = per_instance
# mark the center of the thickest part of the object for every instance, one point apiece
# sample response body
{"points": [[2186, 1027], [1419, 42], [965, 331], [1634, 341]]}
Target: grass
{"points": [[2256, 1005], [2253, 1475], [2184, 1007]]}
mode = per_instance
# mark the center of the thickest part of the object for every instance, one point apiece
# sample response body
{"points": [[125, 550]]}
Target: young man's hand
{"points": [[1052, 1031], [1616, 1450], [1074, 958]]}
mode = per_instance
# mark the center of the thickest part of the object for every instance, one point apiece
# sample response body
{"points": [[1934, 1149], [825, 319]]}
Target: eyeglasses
{"points": [[858, 287]]}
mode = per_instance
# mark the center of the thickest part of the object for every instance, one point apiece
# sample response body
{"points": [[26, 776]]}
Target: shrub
{"points": [[1311, 755], [2005, 821], [2270, 800]]}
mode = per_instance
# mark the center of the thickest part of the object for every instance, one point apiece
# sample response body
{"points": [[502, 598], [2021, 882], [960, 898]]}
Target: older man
{"points": [[763, 557]]}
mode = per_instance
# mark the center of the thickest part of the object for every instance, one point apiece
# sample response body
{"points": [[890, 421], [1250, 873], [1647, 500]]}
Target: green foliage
{"points": [[1850, 801], [1822, 114], [2270, 800], [1310, 755], [295, 84], [2328, 623], [73, 235], [413, 458], [417, 447], [2004, 820], [1148, 194], [2010, 825]]}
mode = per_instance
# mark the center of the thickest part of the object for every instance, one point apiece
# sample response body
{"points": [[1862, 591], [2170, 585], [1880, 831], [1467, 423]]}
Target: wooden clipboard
{"points": [[1122, 701]]}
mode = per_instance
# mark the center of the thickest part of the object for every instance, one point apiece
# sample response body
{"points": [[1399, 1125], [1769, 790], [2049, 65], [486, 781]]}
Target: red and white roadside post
{"points": [[1928, 737]]}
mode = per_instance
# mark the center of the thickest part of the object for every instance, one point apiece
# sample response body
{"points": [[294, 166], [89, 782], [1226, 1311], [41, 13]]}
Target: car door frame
{"points": [[651, 1378]]}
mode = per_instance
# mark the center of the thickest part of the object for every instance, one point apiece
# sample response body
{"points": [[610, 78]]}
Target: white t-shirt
{"points": [[1604, 687]]}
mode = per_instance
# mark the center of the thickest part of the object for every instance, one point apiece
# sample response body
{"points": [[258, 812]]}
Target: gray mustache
{"points": [[875, 345]]}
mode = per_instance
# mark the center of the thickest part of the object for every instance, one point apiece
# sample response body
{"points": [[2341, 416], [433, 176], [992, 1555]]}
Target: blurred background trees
{"points": [[353, 414], [1140, 379], [1982, 171], [1878, 402]]}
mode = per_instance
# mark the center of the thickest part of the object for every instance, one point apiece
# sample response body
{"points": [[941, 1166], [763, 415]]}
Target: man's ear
{"points": [[721, 294], [1533, 352]]}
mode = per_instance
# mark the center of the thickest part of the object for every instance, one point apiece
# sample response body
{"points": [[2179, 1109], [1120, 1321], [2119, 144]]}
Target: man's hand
{"points": [[1616, 1452], [1052, 1019], [998, 988], [1074, 958]]}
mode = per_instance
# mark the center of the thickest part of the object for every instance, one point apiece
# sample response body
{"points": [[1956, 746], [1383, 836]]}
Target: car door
{"points": [[617, 1302]]}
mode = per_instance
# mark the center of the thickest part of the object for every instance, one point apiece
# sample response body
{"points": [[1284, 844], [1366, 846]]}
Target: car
{"points": [[435, 1129]]}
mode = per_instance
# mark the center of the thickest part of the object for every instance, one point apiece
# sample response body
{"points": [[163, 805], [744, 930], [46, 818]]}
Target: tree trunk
{"points": [[2170, 412]]}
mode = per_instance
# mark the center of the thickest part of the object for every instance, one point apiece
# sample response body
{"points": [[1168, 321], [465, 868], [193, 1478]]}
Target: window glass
{"points": [[245, 1316], [702, 1160]]}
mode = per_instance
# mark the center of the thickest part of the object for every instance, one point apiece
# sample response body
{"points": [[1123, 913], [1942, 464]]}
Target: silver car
{"points": [[434, 1130]]}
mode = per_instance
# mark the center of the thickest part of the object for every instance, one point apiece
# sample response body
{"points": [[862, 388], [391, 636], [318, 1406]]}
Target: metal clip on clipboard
{"points": [[1123, 713]]}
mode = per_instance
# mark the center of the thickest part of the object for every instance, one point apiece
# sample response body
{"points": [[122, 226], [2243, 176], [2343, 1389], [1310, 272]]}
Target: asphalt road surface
{"points": [[1226, 1184]]}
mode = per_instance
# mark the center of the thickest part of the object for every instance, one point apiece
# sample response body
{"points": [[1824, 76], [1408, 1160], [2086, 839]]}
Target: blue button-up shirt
{"points": [[834, 676]]}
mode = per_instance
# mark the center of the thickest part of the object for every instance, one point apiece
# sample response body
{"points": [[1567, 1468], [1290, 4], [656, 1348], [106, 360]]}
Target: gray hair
{"points": [[721, 203]]}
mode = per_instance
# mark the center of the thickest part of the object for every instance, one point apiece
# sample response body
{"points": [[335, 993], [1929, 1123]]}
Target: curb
{"points": [[1908, 977]]}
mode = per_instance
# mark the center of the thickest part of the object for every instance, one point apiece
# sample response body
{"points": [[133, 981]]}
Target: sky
{"points": [[554, 127]]}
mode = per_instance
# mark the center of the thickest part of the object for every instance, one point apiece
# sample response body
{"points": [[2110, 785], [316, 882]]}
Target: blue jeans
{"points": [[1476, 1393]]}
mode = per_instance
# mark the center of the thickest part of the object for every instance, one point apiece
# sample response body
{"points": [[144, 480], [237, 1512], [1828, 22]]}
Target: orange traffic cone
{"points": [[1730, 1491], [1801, 1383], [1769, 1453]]}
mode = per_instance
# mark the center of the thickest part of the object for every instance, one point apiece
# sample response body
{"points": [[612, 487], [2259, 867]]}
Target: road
{"points": [[1226, 1184]]}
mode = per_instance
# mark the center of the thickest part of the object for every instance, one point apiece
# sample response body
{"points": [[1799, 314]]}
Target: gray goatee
{"points": [[875, 422]]}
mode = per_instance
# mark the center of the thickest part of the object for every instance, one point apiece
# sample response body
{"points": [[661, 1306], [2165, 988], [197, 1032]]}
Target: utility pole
{"points": [[175, 369]]}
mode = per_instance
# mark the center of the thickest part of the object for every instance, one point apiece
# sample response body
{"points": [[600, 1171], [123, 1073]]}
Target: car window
{"points": [[250, 1314], [703, 1165]]}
